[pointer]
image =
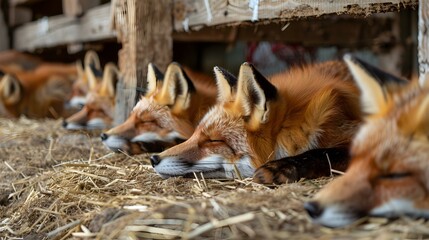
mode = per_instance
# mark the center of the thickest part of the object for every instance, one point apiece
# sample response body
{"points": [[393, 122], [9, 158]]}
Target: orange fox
{"points": [[388, 173], [88, 77], [19, 61], [258, 120], [100, 103], [167, 114], [36, 94]]}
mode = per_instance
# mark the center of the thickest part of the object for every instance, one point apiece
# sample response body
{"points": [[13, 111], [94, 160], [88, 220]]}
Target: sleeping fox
{"points": [[88, 77], [37, 94], [167, 114], [388, 171], [257, 120], [100, 102]]}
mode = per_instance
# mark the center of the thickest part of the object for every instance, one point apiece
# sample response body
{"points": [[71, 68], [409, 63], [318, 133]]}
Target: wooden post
{"points": [[423, 39], [145, 30]]}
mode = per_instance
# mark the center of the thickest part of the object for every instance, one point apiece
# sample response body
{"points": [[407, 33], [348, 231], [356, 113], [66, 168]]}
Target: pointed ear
{"points": [[91, 58], [226, 84], [110, 79], [416, 121], [154, 79], [94, 75], [10, 89], [79, 68], [176, 89], [254, 92], [373, 83]]}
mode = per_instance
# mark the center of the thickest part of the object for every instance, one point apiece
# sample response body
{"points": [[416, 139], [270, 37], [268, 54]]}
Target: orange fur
{"points": [[99, 108], [44, 90], [167, 123], [316, 106], [388, 169]]}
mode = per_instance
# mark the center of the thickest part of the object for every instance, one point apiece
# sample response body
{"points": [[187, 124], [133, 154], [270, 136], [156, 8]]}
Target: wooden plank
{"points": [[342, 31], [73, 8], [145, 31], [193, 14], [23, 2], [423, 39], [62, 30]]}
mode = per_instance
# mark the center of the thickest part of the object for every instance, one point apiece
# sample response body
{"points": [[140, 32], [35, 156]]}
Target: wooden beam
{"points": [[423, 39], [145, 29], [62, 30], [344, 31], [193, 14]]}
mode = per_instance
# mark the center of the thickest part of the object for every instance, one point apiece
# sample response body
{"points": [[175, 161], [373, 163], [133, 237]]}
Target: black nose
{"points": [[64, 124], [104, 136], [154, 160], [313, 209]]}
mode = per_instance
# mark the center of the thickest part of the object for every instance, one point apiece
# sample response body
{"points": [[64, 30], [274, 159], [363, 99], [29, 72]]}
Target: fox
{"points": [[88, 77], [98, 111], [388, 169], [256, 120], [167, 114], [18, 61], [39, 94]]}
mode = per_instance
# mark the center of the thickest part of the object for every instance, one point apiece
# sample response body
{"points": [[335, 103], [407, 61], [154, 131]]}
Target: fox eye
{"points": [[216, 140], [394, 176]]}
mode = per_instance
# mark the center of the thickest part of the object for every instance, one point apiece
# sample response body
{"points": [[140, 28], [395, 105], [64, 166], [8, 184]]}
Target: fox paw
{"points": [[276, 172]]}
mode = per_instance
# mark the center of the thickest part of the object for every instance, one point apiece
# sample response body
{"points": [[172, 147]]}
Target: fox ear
{"points": [[226, 84], [416, 121], [91, 58], [373, 83], [254, 92], [94, 75], [110, 79], [10, 89], [154, 79], [79, 68], [176, 89]]}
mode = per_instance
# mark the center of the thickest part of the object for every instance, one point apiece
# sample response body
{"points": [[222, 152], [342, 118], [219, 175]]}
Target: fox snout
{"points": [[119, 143], [313, 209]]}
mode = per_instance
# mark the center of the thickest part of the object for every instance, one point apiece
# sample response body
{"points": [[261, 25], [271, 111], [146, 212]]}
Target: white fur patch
{"points": [[147, 137], [396, 207], [244, 167], [116, 143], [77, 102], [74, 126], [281, 152], [335, 216], [96, 123], [214, 166]]}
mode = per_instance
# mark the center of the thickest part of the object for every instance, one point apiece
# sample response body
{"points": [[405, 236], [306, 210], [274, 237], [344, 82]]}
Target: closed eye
{"points": [[216, 140], [394, 176]]}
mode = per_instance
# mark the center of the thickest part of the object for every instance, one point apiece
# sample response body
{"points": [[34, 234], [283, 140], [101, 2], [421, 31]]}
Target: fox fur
{"points": [[388, 169], [167, 114], [98, 111], [257, 120]]}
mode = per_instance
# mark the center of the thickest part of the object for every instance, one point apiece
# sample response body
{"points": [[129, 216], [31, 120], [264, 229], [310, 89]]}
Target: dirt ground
{"points": [[56, 184]]}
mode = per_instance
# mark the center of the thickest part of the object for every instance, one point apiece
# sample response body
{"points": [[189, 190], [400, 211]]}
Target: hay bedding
{"points": [[56, 184]]}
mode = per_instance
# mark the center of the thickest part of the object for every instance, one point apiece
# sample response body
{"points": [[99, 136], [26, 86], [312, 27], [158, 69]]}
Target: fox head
{"points": [[220, 145], [11, 93], [88, 76], [388, 173], [160, 119], [97, 113]]}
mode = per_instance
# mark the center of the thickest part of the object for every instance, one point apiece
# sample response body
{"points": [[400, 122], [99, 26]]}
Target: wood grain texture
{"points": [[423, 39], [62, 30], [192, 14], [145, 30]]}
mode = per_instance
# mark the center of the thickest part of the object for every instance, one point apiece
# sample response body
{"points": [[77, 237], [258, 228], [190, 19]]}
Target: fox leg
{"points": [[311, 164]]}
